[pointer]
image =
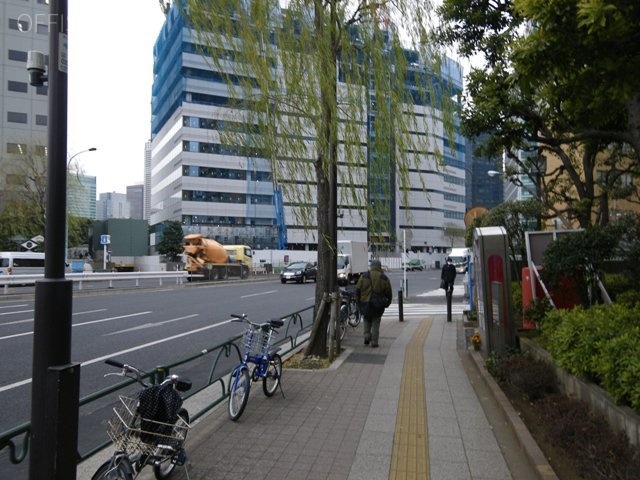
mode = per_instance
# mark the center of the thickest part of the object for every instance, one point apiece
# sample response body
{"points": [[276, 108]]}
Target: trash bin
{"points": [[437, 264]]}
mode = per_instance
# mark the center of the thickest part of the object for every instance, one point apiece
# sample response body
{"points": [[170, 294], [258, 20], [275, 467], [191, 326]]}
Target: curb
{"points": [[528, 444]]}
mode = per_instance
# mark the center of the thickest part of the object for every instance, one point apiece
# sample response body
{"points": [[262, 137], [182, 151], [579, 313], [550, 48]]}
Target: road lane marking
{"points": [[258, 294], [80, 324], [151, 325], [19, 311], [15, 322], [122, 352], [13, 306]]}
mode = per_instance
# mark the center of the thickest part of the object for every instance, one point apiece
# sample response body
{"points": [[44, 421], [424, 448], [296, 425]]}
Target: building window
{"points": [[21, 25], [41, 120], [18, 55], [18, 148], [16, 117], [42, 90], [42, 29], [21, 87]]}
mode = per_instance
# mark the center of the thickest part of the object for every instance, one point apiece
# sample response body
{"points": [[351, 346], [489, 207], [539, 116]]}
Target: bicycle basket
{"points": [[128, 435], [256, 341]]}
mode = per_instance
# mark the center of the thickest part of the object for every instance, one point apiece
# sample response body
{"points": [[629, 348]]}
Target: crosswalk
{"points": [[420, 309]]}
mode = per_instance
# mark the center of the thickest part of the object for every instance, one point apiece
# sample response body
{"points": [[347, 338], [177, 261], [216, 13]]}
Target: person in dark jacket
{"points": [[373, 280], [448, 276]]}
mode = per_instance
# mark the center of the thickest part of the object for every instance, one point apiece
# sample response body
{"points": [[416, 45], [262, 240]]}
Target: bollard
{"points": [[400, 305], [449, 294]]}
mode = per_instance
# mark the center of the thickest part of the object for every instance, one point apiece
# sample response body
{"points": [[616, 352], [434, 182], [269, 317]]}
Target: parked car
{"points": [[414, 264], [299, 272]]}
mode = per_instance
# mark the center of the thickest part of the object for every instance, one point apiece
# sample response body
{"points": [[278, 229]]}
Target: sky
{"points": [[109, 89]]}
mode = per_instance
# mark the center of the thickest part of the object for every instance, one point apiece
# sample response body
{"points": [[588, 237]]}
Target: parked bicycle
{"points": [[267, 364], [148, 429], [349, 310]]}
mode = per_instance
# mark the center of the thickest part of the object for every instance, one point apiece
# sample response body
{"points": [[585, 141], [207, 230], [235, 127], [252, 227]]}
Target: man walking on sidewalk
{"points": [[374, 294]]}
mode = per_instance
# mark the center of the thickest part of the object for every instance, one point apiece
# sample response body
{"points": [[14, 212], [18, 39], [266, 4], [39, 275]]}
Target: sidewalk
{"points": [[411, 409]]}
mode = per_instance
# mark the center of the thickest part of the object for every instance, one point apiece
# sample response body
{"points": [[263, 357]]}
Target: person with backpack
{"points": [[374, 294]]}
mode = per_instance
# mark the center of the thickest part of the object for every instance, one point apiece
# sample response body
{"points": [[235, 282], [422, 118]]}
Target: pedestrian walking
{"points": [[448, 276], [374, 294]]}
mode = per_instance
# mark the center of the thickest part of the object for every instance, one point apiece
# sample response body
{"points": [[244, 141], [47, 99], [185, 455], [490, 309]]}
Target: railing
{"points": [[204, 396], [80, 278]]}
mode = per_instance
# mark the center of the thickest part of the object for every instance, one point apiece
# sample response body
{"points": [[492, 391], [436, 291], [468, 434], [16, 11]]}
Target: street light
{"points": [[66, 220]]}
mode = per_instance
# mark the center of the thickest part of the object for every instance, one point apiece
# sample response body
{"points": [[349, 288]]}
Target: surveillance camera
{"points": [[36, 66]]}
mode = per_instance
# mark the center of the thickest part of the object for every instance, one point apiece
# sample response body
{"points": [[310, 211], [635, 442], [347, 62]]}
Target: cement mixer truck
{"points": [[207, 259]]}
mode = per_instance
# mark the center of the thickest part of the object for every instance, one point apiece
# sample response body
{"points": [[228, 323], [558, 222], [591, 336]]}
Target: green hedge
{"points": [[601, 344]]}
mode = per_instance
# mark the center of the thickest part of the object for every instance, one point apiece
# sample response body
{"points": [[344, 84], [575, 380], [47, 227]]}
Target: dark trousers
{"points": [[372, 329]]}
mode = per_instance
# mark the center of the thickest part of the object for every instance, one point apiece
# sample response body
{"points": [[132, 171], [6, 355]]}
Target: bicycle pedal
{"points": [[180, 458]]}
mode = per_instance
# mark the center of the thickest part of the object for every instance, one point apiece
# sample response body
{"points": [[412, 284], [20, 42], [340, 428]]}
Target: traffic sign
{"points": [[105, 239]]}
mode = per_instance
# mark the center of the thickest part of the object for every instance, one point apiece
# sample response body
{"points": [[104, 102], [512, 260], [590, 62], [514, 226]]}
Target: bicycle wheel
{"points": [[354, 313], [239, 394], [271, 380], [343, 320], [117, 468], [164, 469]]}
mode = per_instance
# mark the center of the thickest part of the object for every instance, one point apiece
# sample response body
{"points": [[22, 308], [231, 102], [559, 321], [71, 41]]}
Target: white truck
{"points": [[460, 258], [353, 259]]}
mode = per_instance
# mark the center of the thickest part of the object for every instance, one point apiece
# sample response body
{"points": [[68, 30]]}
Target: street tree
{"points": [[309, 77], [171, 244], [542, 92]]}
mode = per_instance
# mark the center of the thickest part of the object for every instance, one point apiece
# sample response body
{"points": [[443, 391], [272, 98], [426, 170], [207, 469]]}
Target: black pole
{"points": [[400, 307], [449, 294], [54, 399]]}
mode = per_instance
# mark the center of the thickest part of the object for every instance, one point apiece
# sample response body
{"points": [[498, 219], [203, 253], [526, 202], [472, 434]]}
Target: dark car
{"points": [[299, 272]]}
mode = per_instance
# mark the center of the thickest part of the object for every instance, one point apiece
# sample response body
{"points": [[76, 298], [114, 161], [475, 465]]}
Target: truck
{"points": [[207, 259], [353, 260], [460, 258]]}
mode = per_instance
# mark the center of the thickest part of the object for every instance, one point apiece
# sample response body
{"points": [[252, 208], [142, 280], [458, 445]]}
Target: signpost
{"points": [[104, 241]]}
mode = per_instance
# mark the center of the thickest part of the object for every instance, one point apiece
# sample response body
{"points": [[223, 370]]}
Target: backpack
{"points": [[378, 300]]}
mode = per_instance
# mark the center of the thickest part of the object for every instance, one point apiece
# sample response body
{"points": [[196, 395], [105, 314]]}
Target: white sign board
{"points": [[105, 239]]}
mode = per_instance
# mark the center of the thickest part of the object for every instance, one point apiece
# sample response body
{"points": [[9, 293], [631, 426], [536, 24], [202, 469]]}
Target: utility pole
{"points": [[55, 380]]}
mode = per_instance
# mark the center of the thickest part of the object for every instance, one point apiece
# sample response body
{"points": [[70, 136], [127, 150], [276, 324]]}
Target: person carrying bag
{"points": [[374, 294]]}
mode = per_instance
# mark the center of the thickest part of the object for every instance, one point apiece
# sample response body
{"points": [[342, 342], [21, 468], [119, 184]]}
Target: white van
{"points": [[460, 258], [21, 263]]}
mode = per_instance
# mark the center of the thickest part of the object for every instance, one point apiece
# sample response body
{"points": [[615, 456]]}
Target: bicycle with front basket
{"points": [[267, 364], [147, 429]]}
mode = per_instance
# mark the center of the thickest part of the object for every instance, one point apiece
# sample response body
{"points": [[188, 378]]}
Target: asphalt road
{"points": [[146, 328]]}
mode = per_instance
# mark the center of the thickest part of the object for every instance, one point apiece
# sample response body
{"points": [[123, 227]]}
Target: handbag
{"points": [[443, 284]]}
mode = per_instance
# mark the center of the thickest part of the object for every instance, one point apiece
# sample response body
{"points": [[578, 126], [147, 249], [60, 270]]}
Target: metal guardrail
{"points": [[15, 280], [292, 335]]}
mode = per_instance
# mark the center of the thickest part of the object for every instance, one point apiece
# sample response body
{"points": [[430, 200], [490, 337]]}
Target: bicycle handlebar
{"points": [[182, 384], [273, 323]]}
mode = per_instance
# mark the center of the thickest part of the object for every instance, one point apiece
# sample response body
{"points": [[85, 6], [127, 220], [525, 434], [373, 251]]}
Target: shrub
{"points": [[618, 367], [599, 453], [531, 376]]}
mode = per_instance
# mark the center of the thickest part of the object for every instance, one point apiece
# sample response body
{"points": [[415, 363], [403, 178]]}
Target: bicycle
{"points": [[148, 429], [349, 308], [267, 364]]}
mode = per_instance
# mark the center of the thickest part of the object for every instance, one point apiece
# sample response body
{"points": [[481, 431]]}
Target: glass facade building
{"points": [[227, 193]]}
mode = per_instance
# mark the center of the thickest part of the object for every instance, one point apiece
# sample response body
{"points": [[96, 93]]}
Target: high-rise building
{"points": [[484, 188], [135, 198], [112, 205], [81, 196], [229, 195], [147, 181], [23, 119]]}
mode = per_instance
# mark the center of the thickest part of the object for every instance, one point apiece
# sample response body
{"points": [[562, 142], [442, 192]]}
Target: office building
{"points": [[484, 180], [135, 198], [228, 193], [23, 120], [81, 196], [112, 205]]}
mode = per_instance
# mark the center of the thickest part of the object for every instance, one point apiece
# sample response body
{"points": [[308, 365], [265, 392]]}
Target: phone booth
{"points": [[493, 289]]}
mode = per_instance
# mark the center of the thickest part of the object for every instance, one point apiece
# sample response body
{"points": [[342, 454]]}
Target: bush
{"points": [[599, 453], [534, 378], [618, 367]]}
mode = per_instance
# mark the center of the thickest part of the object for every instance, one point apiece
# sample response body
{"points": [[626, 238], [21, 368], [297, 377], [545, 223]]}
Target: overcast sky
{"points": [[110, 77]]}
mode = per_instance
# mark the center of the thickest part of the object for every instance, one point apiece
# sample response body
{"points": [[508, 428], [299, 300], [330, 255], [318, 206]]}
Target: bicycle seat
{"points": [[276, 322]]}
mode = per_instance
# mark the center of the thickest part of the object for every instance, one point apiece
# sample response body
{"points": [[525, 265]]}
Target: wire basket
{"points": [[256, 341], [132, 433]]}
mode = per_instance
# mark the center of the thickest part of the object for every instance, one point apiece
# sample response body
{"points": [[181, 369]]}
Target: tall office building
{"points": [[228, 193], [135, 198], [147, 181], [484, 189], [81, 196], [23, 119], [112, 205]]}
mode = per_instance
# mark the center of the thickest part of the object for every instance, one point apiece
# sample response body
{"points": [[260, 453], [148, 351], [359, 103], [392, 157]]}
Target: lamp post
{"points": [[66, 221]]}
